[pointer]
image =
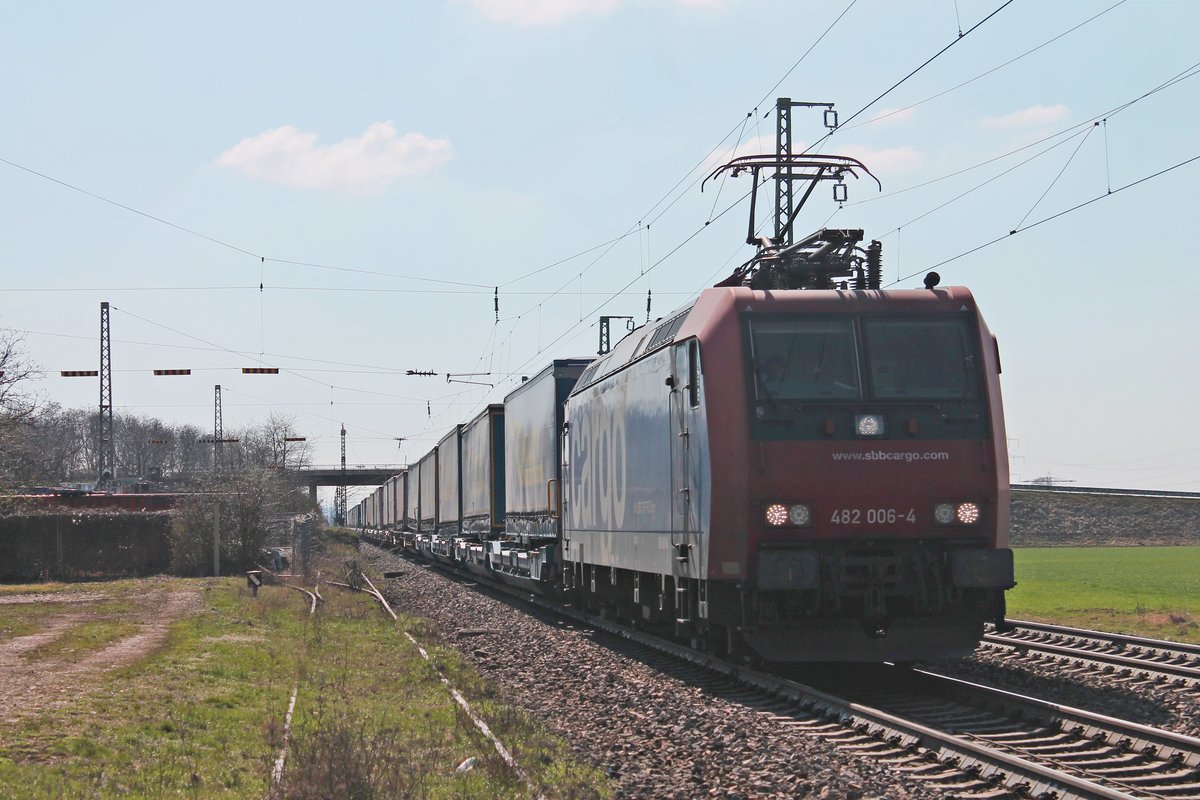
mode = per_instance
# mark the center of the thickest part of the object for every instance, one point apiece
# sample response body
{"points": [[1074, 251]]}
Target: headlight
{"points": [[796, 515], [800, 515], [869, 424], [965, 513], [777, 515]]}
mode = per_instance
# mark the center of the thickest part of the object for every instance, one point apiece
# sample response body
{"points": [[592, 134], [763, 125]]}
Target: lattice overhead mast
{"points": [[106, 444], [339, 497], [218, 431]]}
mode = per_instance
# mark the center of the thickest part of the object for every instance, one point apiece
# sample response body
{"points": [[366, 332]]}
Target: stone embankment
{"points": [[1067, 519]]}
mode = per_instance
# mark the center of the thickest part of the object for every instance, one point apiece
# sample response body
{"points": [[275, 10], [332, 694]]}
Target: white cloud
{"points": [[530, 13], [1029, 117], [891, 116], [371, 161], [887, 160], [704, 3], [533, 13]]}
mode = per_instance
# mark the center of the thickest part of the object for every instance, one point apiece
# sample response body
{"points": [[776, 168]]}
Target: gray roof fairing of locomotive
{"points": [[637, 344]]}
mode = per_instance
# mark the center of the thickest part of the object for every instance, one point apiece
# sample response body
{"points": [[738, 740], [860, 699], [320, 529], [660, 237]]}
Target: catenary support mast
{"points": [[218, 432], [339, 497], [106, 444]]}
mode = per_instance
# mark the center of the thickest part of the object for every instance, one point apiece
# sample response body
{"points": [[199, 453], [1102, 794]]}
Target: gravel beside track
{"points": [[655, 735]]}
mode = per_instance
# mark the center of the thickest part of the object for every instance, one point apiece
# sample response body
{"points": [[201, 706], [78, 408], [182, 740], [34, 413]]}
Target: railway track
{"points": [[1103, 756], [964, 739], [1153, 660]]}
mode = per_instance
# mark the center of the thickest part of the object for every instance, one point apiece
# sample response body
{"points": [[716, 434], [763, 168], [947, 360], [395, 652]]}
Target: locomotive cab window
{"points": [[814, 376], [930, 359], [798, 359]]}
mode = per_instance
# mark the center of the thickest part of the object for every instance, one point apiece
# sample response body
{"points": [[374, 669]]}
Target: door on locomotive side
{"points": [[688, 446], [564, 493]]}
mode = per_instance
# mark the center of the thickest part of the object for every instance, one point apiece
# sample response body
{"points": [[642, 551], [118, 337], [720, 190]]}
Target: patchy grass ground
{"points": [[199, 712], [1148, 591]]}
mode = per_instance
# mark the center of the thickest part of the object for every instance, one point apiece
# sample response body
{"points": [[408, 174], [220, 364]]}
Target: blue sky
{"points": [[380, 167]]}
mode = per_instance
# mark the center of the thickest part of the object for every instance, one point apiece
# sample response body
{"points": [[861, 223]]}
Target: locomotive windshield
{"points": [[831, 358], [805, 359], [925, 358]]}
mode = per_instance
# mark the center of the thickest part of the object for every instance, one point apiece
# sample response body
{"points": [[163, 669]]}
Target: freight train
{"points": [[780, 474], [798, 466]]}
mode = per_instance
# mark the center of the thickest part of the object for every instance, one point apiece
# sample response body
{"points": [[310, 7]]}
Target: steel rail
{"points": [[1171, 746], [968, 754], [483, 728], [1156, 656], [1066, 651], [1120, 638]]}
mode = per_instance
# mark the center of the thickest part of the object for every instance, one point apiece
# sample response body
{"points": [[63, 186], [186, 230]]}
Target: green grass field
{"points": [[202, 715], [1148, 591]]}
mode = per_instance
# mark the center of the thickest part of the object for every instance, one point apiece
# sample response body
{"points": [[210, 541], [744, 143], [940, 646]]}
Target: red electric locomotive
{"points": [[801, 466], [808, 475]]}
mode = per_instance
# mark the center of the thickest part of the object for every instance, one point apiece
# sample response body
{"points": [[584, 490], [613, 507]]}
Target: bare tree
{"points": [[245, 501], [43, 448], [287, 450], [144, 446], [192, 456], [274, 444], [17, 402], [50, 444]]}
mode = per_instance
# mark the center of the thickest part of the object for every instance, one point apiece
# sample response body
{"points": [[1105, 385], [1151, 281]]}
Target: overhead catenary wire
{"points": [[1053, 217], [705, 159], [984, 183], [285, 370], [886, 115], [923, 65], [508, 338], [853, 116], [1042, 196], [1190, 72], [221, 242], [367, 368], [262, 258]]}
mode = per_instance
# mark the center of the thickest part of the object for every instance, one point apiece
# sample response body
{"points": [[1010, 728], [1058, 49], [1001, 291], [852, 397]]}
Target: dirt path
{"points": [[29, 686]]}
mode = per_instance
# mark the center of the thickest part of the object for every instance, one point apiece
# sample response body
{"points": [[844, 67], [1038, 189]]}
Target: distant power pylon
{"points": [[1050, 480], [339, 497]]}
